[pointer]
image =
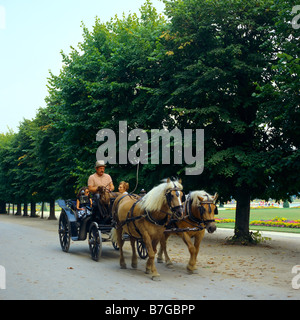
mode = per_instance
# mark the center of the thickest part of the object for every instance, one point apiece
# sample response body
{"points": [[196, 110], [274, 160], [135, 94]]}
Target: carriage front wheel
{"points": [[64, 231], [95, 241]]}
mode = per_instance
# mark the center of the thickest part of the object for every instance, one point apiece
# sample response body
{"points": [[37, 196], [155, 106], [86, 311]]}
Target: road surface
{"points": [[36, 268]]}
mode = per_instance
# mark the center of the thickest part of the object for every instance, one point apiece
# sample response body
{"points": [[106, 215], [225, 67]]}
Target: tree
{"points": [[106, 80], [5, 151], [281, 111], [217, 53]]}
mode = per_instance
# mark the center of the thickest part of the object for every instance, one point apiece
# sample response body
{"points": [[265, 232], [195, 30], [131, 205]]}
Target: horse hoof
{"points": [[123, 266], [159, 260], [170, 265], [148, 271], [156, 278], [134, 265], [190, 271]]}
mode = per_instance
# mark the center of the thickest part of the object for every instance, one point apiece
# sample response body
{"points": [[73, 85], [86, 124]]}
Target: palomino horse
{"points": [[200, 209], [145, 218]]}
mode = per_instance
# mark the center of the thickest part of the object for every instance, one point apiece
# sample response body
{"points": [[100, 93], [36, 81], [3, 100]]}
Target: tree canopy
{"points": [[230, 67]]}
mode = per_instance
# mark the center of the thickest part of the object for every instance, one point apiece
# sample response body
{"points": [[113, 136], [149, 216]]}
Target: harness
{"points": [[147, 214]]}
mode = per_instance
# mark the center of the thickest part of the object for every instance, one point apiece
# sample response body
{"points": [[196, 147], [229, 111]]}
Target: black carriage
{"points": [[95, 225]]}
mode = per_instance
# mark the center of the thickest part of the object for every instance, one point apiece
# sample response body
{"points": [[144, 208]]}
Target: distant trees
{"points": [[228, 67]]}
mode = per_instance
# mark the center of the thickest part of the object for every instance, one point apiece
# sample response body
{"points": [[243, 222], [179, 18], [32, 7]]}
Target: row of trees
{"points": [[230, 67]]}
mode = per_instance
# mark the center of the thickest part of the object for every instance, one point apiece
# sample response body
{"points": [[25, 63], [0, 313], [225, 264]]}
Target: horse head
{"points": [[207, 209], [175, 199]]}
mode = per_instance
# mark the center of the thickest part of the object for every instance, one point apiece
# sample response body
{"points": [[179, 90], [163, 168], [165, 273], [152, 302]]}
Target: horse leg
{"points": [[160, 258], [120, 244], [134, 255], [198, 239], [192, 262], [163, 249], [150, 266]]}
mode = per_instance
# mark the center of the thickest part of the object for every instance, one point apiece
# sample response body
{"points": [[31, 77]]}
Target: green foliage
{"points": [[228, 67]]}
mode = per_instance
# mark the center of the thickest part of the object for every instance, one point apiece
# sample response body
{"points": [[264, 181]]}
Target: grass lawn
{"points": [[263, 214]]}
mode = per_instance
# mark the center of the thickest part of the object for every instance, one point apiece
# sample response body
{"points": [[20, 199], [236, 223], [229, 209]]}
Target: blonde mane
{"points": [[155, 198], [202, 194]]}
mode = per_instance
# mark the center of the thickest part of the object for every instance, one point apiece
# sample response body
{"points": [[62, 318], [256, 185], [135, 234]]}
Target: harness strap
{"points": [[131, 218], [161, 222]]}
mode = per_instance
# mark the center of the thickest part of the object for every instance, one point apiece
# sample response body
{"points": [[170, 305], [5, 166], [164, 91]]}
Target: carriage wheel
{"points": [[95, 242], [64, 231], [141, 249]]}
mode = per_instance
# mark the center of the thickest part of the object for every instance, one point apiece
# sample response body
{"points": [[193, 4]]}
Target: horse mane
{"points": [[202, 194], [155, 198]]}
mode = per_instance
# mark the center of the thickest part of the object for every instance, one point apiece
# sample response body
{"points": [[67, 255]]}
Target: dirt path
{"points": [[252, 269]]}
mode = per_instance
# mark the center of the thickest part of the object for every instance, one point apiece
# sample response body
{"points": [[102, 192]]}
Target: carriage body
{"points": [[96, 227]]}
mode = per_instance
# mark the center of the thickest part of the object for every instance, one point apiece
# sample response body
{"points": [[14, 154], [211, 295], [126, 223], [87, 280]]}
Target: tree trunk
{"points": [[3, 207], [242, 216], [52, 210], [33, 210], [19, 209], [42, 210], [25, 210]]}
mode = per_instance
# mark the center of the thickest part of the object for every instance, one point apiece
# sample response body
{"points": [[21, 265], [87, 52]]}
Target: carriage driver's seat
{"points": [[102, 212]]}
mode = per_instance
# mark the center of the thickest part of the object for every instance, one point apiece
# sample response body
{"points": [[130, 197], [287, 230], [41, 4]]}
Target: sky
{"points": [[32, 35]]}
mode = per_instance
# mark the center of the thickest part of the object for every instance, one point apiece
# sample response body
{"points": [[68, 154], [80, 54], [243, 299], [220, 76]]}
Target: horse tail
{"points": [[113, 235]]}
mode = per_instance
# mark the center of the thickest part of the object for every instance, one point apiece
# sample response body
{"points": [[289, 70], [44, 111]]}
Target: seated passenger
{"points": [[123, 187], [84, 203]]}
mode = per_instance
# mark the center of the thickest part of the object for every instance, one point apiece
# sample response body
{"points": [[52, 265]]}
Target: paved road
{"points": [[36, 268]]}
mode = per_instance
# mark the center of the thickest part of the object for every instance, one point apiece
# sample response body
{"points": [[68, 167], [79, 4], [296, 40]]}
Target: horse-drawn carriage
{"points": [[147, 221], [96, 225]]}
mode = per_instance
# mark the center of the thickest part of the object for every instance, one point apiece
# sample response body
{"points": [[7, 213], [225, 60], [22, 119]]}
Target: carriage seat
{"points": [[72, 205]]}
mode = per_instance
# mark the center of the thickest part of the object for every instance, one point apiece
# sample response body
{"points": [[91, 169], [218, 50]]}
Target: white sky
{"points": [[32, 34]]}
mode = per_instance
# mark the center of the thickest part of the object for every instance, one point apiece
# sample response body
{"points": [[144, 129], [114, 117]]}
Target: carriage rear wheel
{"points": [[95, 241], [64, 231], [141, 249]]}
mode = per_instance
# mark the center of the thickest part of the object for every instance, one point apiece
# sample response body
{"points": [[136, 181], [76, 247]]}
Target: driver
{"points": [[100, 179]]}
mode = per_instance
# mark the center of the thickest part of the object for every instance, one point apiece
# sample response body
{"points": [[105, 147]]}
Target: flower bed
{"points": [[277, 222], [265, 207], [223, 220]]}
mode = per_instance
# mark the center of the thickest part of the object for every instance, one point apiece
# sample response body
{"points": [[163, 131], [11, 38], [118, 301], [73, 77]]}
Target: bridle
{"points": [[168, 196], [202, 211], [174, 217]]}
